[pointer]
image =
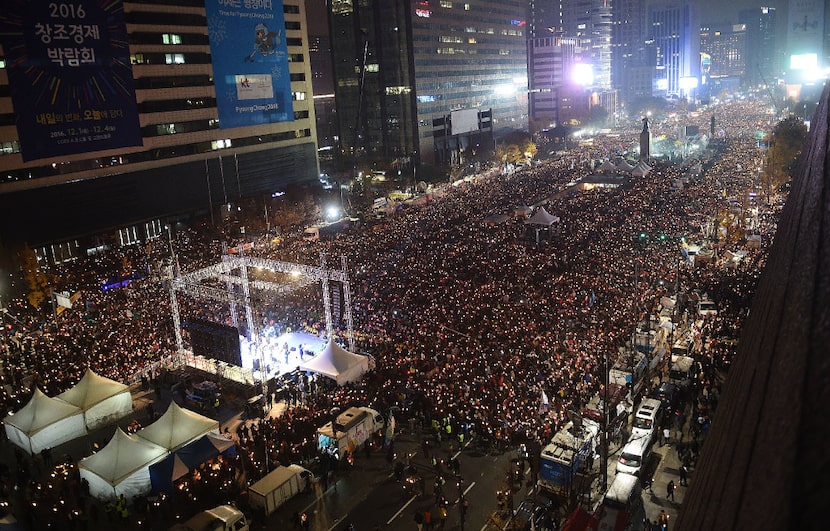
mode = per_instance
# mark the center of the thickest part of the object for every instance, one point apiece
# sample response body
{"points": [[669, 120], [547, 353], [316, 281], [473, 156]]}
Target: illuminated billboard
{"points": [[70, 77], [250, 62]]}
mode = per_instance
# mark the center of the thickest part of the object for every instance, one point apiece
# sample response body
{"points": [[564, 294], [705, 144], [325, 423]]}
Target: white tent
{"points": [[542, 217], [44, 423], [121, 467], [337, 363], [640, 169], [102, 400], [177, 427], [624, 166], [607, 167]]}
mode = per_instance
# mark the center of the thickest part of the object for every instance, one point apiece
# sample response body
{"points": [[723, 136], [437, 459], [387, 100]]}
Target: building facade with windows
{"points": [[403, 66], [185, 161], [674, 39]]}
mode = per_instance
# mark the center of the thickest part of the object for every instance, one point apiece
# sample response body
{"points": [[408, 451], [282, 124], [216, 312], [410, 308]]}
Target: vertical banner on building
{"points": [[70, 76], [250, 62], [805, 30]]}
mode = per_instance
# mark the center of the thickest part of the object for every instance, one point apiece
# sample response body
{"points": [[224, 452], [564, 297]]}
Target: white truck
{"points": [[222, 518], [349, 430], [282, 484]]}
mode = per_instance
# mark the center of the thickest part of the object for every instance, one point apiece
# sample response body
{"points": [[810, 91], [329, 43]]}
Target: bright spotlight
{"points": [[332, 213], [582, 74]]}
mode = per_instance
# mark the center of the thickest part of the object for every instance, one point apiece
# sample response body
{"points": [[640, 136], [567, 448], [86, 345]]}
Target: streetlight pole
{"points": [[604, 447]]}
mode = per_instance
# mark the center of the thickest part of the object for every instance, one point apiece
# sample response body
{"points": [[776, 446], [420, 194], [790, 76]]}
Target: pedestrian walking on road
{"points": [[683, 476], [670, 490], [666, 436], [663, 520]]}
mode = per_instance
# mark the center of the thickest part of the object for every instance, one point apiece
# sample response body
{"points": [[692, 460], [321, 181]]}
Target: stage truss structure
{"points": [[235, 289]]}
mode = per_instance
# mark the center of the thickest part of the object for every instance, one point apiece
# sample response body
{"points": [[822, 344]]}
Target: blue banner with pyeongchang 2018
{"points": [[250, 62], [70, 76]]}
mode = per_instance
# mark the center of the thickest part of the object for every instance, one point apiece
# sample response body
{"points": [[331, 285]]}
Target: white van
{"points": [[646, 419], [222, 518], [633, 455]]}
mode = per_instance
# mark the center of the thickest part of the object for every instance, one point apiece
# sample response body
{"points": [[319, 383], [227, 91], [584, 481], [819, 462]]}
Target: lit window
{"points": [[174, 58], [171, 38], [298, 96], [372, 67], [390, 91], [446, 4]]}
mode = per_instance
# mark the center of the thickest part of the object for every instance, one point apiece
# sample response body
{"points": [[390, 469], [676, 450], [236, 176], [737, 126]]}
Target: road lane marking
{"points": [[412, 499], [468, 488]]}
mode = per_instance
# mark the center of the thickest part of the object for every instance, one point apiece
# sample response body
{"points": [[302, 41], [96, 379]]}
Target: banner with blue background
{"points": [[70, 76], [250, 62]]}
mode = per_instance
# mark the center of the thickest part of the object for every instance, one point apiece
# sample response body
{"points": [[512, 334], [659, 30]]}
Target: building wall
{"points": [[186, 161], [591, 22], [416, 62], [470, 55], [674, 34]]}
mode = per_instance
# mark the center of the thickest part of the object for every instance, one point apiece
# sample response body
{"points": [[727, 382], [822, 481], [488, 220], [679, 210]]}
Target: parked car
{"points": [[670, 395], [533, 513]]}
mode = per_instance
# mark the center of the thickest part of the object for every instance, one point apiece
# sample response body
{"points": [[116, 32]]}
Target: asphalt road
{"points": [[368, 496]]}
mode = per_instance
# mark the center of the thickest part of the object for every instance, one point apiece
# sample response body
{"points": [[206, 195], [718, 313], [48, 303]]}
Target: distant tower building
{"points": [[544, 16], [590, 21], [628, 55], [674, 34], [402, 67], [763, 57], [645, 142], [723, 52], [551, 98]]}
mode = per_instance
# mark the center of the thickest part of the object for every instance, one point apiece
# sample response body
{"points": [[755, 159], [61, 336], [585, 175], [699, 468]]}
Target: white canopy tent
{"points": [[177, 427], [44, 422], [542, 218], [640, 169], [337, 363], [121, 467], [624, 166], [103, 401], [607, 167]]}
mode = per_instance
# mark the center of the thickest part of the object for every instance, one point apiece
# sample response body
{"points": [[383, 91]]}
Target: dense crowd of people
{"points": [[469, 323]]}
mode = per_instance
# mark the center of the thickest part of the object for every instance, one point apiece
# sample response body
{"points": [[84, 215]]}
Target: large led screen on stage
{"points": [[250, 62], [70, 76]]}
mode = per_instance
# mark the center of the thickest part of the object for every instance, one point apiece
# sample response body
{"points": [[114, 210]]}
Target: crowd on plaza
{"points": [[469, 323]]}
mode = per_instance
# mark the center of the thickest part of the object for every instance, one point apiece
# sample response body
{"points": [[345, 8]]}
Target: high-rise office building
{"points": [[723, 56], [673, 33], [118, 115], [544, 17], [553, 99], [630, 73], [763, 56], [403, 67], [590, 21], [808, 42]]}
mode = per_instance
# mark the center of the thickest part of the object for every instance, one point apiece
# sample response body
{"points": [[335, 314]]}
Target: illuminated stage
{"points": [[281, 354], [273, 352]]}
